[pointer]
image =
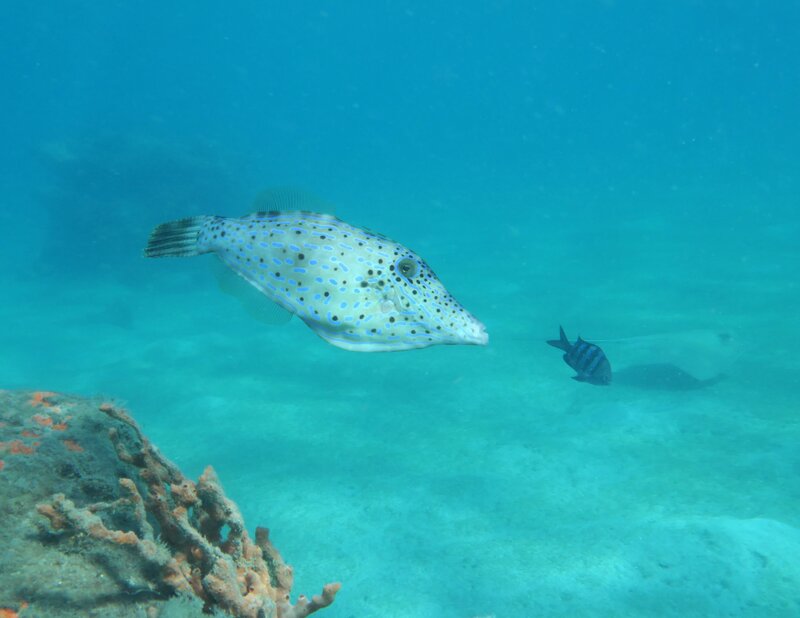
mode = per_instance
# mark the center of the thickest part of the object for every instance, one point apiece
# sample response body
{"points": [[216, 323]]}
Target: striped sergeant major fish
{"points": [[587, 359], [357, 289]]}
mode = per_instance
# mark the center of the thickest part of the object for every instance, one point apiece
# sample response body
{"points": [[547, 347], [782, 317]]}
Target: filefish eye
{"points": [[407, 267]]}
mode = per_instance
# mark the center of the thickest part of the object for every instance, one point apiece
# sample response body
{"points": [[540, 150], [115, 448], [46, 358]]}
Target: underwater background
{"points": [[629, 170]]}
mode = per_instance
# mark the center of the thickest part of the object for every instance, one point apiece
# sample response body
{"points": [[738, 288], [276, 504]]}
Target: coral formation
{"points": [[226, 570], [128, 533]]}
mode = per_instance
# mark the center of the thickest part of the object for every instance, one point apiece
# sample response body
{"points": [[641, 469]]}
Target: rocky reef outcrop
{"points": [[97, 522]]}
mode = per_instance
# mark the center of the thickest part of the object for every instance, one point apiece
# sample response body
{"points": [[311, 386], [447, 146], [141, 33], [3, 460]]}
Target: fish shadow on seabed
{"points": [[662, 377]]}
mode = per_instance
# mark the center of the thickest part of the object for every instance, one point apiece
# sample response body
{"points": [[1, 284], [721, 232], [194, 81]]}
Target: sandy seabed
{"points": [[460, 481]]}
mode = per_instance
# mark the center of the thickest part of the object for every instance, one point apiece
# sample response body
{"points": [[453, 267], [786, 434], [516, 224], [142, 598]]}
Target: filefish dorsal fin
{"points": [[284, 199], [254, 302]]}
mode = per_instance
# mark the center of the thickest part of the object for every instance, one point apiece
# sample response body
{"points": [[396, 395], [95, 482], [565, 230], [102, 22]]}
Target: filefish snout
{"points": [[424, 310], [475, 334]]}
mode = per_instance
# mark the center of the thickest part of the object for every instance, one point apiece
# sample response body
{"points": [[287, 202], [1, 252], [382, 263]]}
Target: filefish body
{"points": [[587, 359], [356, 289]]}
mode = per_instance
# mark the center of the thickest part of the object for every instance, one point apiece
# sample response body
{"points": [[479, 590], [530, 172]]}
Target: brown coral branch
{"points": [[63, 514], [281, 573], [304, 607]]}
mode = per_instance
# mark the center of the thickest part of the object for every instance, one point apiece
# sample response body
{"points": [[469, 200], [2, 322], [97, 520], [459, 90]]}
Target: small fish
{"points": [[356, 289], [587, 359]]}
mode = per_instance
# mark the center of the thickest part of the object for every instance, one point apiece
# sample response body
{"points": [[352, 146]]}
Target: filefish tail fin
{"points": [[176, 238], [562, 343]]}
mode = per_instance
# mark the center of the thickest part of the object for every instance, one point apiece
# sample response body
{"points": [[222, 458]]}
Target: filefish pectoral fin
{"points": [[251, 299], [387, 306], [391, 301]]}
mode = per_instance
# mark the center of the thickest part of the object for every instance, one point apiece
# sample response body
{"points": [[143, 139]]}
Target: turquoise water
{"points": [[624, 169]]}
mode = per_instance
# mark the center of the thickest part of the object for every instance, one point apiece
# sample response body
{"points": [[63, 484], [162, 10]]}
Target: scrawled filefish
{"points": [[355, 288], [587, 359]]}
